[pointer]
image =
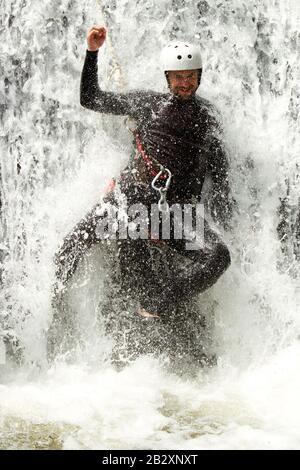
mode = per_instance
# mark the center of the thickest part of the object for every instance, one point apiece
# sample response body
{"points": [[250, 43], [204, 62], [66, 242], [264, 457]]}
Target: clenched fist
{"points": [[95, 37]]}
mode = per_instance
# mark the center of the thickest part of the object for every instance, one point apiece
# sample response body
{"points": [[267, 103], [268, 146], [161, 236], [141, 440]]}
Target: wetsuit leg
{"points": [[164, 277], [183, 273], [84, 235], [208, 264], [77, 243], [138, 278]]}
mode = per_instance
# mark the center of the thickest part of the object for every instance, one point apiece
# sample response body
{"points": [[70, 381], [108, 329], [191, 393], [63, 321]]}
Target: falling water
{"points": [[57, 157]]}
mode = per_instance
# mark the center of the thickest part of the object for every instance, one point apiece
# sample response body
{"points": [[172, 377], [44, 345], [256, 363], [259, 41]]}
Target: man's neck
{"points": [[183, 100]]}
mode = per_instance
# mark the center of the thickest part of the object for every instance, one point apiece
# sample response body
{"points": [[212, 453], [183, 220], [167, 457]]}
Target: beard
{"points": [[184, 93]]}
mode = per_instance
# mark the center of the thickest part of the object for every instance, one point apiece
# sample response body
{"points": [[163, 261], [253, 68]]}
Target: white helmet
{"points": [[181, 56]]}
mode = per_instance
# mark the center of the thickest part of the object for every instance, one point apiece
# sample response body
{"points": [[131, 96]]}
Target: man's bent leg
{"points": [[75, 245], [190, 272]]}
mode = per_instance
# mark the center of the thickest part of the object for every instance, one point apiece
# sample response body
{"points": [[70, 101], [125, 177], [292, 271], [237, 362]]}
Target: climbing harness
{"points": [[163, 175], [149, 161]]}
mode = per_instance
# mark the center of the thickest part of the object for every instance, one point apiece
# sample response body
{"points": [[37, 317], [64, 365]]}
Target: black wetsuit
{"points": [[184, 136]]}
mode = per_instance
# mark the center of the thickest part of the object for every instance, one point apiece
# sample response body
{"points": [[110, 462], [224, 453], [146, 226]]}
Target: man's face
{"points": [[183, 83]]}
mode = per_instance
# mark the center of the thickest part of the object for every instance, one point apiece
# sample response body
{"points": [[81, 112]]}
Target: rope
{"points": [[116, 68]]}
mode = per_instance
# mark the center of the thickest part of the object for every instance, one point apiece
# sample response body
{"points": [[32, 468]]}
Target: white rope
{"points": [[116, 68], [116, 71]]}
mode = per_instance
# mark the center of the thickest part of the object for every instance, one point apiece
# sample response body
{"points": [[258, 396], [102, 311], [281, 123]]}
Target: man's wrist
{"points": [[92, 52]]}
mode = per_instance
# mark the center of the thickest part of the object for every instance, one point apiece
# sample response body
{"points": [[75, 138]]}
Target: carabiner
{"points": [[162, 190]]}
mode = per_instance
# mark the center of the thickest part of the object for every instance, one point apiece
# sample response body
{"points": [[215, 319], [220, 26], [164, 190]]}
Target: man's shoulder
{"points": [[147, 94], [214, 117], [206, 105], [146, 98]]}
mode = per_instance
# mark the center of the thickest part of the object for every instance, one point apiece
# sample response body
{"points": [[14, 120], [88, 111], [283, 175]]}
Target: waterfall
{"points": [[55, 160]]}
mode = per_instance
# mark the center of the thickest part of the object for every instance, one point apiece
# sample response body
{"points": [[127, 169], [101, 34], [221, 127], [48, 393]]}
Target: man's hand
{"points": [[95, 37]]}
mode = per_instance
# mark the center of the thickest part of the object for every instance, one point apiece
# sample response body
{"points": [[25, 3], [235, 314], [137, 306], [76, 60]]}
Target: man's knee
{"points": [[64, 259], [223, 255]]}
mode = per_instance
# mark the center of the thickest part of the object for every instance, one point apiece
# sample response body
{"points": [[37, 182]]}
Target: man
{"points": [[176, 132]]}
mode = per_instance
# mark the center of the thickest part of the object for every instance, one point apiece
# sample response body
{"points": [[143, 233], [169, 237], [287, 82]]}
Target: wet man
{"points": [[176, 132]]}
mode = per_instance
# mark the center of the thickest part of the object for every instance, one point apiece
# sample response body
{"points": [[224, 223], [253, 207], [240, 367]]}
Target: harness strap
{"points": [[148, 160]]}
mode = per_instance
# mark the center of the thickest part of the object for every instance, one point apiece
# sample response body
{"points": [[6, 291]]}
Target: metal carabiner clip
{"points": [[162, 203], [127, 122]]}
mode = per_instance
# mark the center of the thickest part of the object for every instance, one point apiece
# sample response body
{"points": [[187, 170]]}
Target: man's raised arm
{"points": [[91, 96]]}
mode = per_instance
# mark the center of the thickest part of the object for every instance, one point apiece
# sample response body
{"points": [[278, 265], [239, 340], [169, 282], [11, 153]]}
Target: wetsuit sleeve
{"points": [[221, 202], [92, 97]]}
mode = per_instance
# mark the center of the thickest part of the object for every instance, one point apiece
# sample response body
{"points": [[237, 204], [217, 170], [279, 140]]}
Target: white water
{"points": [[251, 57]]}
